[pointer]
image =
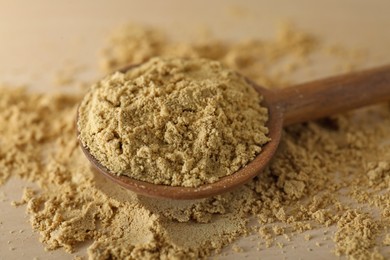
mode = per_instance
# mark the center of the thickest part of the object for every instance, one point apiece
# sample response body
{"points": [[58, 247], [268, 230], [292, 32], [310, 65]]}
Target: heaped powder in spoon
{"points": [[178, 122]]}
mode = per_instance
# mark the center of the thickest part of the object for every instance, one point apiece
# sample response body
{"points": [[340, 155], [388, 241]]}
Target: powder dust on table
{"points": [[178, 122], [319, 165]]}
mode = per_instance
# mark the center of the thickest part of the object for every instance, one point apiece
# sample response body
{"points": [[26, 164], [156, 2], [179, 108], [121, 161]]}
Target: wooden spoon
{"points": [[286, 106]]}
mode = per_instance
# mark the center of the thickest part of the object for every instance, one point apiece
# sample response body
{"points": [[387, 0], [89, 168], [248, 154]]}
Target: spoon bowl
{"points": [[285, 106]]}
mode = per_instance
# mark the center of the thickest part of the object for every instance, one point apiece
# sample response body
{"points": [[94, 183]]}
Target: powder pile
{"points": [[332, 173], [178, 122]]}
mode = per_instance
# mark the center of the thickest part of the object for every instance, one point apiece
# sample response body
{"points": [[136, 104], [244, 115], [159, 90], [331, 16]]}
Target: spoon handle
{"points": [[333, 95]]}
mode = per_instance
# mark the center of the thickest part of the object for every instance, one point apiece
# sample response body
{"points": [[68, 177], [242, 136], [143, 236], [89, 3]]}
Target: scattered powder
{"points": [[278, 230], [268, 63], [237, 249], [67, 75], [280, 244], [3, 197], [355, 234], [27, 194], [238, 12], [347, 55], [287, 237], [178, 122], [386, 240], [323, 172]]}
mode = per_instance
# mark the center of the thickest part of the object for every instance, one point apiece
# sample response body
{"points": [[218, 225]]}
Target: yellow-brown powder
{"points": [[339, 163], [178, 122]]}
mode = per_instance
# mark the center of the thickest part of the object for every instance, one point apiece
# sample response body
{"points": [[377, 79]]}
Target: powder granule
{"points": [[178, 122]]}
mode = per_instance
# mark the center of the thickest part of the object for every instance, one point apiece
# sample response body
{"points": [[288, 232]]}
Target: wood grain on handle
{"points": [[326, 97]]}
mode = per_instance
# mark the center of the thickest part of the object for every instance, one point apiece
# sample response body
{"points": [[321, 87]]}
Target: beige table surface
{"points": [[38, 37]]}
